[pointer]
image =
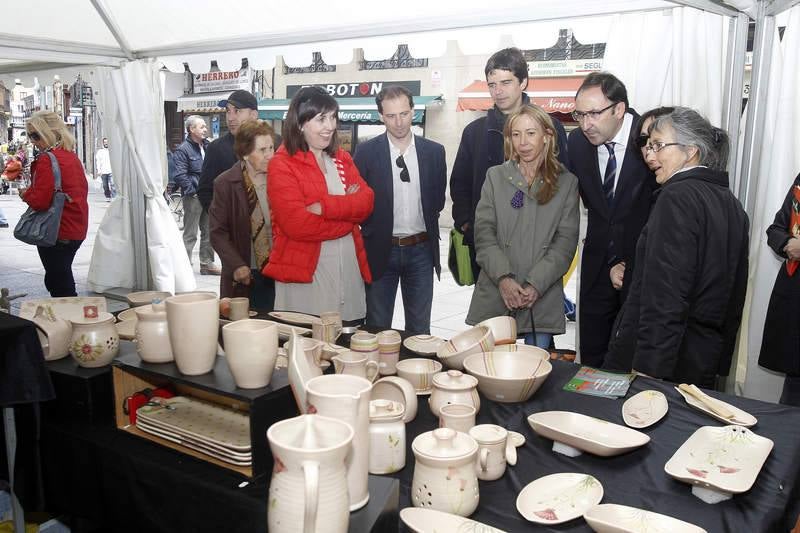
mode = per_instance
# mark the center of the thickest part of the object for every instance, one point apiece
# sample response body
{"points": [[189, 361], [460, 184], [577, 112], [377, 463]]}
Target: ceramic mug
{"points": [[492, 444], [365, 343], [251, 349], [327, 328], [240, 308], [457, 416], [355, 364], [389, 342]]}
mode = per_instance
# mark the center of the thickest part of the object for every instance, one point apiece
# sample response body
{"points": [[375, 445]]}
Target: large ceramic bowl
{"points": [[531, 351], [508, 376], [475, 340], [504, 329]]}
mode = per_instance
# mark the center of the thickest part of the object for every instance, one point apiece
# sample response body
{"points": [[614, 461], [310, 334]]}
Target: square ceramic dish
{"points": [[587, 433], [66, 308], [726, 459]]}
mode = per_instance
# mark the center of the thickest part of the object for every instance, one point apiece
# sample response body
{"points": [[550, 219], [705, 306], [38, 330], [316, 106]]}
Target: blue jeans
{"points": [[412, 267], [109, 189], [542, 340]]}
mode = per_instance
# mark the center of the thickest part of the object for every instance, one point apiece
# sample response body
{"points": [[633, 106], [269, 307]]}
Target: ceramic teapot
{"points": [[454, 386], [444, 472], [355, 364], [308, 490], [94, 341], [54, 333], [346, 398]]}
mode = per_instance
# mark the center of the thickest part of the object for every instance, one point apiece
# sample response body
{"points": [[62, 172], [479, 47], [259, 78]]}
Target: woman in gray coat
{"points": [[526, 231]]}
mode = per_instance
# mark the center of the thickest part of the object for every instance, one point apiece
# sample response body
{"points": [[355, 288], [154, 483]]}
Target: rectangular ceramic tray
{"points": [[236, 454], [725, 458], [66, 307], [740, 417], [192, 446], [587, 433]]}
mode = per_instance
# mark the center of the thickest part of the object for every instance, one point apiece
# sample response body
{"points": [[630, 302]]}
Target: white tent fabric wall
{"points": [[780, 163], [670, 57], [132, 108]]}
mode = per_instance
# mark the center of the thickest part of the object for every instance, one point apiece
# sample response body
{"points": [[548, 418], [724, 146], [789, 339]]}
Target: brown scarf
{"points": [[262, 242]]}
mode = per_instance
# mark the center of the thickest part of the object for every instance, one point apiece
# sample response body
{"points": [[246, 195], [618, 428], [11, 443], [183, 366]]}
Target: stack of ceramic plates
{"points": [[203, 427]]}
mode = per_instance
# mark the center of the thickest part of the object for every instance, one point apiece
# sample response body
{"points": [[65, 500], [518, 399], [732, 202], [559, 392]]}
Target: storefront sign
{"points": [[568, 67], [357, 89], [365, 115], [212, 82]]}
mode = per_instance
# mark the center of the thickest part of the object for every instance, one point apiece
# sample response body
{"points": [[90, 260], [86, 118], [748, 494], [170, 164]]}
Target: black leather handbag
{"points": [[40, 228]]}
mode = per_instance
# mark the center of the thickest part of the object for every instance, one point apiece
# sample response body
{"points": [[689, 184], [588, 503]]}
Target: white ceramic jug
{"points": [[308, 490], [193, 320], [152, 334], [251, 348], [347, 398]]}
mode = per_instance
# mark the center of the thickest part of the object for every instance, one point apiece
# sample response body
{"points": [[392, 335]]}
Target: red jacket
{"points": [[75, 217], [296, 181]]}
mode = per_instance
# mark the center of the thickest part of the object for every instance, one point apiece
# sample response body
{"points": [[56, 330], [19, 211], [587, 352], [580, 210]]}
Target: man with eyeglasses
{"points": [[409, 176], [481, 144], [616, 187]]}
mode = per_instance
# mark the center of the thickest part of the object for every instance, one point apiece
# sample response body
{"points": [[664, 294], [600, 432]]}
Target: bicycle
{"points": [[176, 206]]}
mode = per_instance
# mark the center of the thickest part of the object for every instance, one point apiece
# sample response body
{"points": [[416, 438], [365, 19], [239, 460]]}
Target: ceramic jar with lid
{"points": [[454, 386], [444, 472], [94, 341], [152, 334], [387, 436]]}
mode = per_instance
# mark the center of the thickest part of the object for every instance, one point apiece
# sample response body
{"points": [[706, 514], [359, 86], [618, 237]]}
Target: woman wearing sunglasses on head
{"points": [[48, 133], [684, 308]]}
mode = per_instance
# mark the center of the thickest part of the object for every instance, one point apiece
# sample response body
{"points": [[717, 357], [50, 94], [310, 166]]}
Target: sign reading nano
{"points": [[357, 89]]}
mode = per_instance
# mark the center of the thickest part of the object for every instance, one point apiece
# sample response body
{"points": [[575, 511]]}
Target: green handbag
{"points": [[458, 259]]}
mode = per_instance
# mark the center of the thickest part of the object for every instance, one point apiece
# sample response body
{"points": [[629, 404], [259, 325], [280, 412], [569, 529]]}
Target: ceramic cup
{"points": [[492, 443], [328, 327], [355, 364], [457, 416], [240, 308], [366, 343], [389, 342], [419, 372], [251, 348]]}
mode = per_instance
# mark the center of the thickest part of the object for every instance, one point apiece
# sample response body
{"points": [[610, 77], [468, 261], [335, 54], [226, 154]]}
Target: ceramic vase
{"points": [[251, 348], [346, 398], [152, 334], [308, 489], [387, 437], [193, 320], [367, 344], [54, 333], [94, 341]]}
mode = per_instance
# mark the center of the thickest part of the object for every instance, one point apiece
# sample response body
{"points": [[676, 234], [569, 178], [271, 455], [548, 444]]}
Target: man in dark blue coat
{"points": [[409, 177], [481, 144]]}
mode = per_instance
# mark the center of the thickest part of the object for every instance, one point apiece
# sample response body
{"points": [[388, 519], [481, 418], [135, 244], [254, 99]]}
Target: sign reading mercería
{"points": [[357, 89], [213, 82]]}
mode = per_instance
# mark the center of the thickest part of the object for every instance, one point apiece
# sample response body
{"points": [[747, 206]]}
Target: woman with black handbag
{"points": [[50, 135]]}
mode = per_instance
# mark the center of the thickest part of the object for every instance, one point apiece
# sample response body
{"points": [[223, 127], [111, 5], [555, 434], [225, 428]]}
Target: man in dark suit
{"points": [[409, 177], [616, 187]]}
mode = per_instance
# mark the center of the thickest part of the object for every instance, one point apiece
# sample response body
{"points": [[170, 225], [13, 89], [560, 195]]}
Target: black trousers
{"points": [[598, 307], [57, 262]]}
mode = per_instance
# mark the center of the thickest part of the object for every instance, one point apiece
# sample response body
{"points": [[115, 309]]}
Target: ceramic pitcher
{"points": [[308, 490], [152, 334], [251, 348], [193, 320], [355, 364], [54, 333], [347, 398]]}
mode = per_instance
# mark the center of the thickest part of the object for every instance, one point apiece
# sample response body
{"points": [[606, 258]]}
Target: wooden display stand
{"points": [[263, 406]]}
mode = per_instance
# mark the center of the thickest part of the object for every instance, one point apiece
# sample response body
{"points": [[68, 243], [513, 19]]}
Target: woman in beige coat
{"points": [[526, 231]]}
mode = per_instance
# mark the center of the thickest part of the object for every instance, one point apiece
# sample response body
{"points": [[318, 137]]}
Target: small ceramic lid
{"points": [[444, 443], [488, 433], [454, 380], [386, 410], [102, 317]]}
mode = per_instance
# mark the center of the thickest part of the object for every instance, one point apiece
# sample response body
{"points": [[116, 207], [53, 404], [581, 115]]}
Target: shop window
{"points": [[400, 59]]}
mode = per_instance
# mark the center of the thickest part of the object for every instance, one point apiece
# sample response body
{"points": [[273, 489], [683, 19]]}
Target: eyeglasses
{"points": [[34, 136], [404, 175], [579, 116], [641, 141], [658, 146]]}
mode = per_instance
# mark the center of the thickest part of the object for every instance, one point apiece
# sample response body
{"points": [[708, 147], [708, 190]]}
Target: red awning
{"points": [[554, 95]]}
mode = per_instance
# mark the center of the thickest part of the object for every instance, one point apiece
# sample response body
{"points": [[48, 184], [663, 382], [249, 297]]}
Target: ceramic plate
{"points": [[559, 498], [423, 344], [192, 446], [587, 433], [126, 329], [290, 317], [740, 418], [225, 427], [66, 308], [129, 314], [517, 439], [431, 521], [204, 444], [612, 518], [644, 409], [725, 458]]}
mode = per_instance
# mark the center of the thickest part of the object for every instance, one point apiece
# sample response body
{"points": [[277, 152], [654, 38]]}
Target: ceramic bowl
{"points": [[504, 329], [419, 372], [135, 299], [508, 376], [400, 390], [523, 348], [475, 340]]}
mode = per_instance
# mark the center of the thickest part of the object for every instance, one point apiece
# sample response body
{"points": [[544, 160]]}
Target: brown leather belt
{"points": [[411, 240]]}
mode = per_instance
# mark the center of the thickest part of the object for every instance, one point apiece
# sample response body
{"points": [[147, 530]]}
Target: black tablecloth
{"points": [[636, 479], [23, 376]]}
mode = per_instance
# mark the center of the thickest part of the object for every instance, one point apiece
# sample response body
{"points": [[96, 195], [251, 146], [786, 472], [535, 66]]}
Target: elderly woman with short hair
{"points": [[690, 274]]}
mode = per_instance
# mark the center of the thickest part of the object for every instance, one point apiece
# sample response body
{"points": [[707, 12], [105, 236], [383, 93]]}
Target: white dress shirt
{"points": [[408, 219], [620, 141]]}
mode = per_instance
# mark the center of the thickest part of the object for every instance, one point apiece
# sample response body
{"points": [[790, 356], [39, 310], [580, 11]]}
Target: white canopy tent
{"points": [[689, 52]]}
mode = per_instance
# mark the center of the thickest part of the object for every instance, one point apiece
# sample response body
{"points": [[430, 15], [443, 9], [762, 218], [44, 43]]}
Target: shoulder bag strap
{"points": [[56, 170]]}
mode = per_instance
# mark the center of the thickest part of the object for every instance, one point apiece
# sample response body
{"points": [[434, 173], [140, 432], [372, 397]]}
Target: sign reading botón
{"points": [[357, 89]]}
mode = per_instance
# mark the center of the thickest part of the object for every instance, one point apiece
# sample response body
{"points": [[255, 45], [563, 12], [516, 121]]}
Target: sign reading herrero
{"points": [[213, 82], [356, 89]]}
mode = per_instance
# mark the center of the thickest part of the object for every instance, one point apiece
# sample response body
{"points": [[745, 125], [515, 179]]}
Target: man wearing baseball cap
{"points": [[239, 107]]}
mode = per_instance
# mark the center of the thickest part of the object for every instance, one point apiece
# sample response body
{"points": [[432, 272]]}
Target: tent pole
{"points": [[734, 82], [756, 108]]}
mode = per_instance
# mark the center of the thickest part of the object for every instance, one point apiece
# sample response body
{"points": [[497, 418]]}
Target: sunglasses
{"points": [[35, 137], [641, 141], [404, 175]]}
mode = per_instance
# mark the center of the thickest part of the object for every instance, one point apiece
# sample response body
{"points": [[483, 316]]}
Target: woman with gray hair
{"points": [[685, 305]]}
